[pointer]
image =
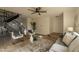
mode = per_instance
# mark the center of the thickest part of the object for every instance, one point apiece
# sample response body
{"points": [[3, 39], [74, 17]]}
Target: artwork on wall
{"points": [[10, 24]]}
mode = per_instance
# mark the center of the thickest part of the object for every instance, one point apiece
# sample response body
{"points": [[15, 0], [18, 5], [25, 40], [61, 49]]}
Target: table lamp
{"points": [[70, 29]]}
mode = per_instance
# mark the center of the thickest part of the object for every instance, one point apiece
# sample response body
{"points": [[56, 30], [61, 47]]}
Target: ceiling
{"points": [[52, 11]]}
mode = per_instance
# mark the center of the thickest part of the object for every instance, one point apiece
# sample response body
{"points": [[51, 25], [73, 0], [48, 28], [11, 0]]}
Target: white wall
{"points": [[68, 19], [43, 25], [56, 24], [77, 20]]}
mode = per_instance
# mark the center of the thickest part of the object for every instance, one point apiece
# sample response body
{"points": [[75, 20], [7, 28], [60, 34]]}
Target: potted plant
{"points": [[32, 32], [33, 24]]}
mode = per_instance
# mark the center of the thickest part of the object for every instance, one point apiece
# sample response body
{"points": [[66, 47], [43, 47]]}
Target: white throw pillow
{"points": [[68, 38]]}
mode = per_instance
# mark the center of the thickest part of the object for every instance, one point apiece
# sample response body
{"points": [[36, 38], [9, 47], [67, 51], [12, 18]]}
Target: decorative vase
{"points": [[31, 38]]}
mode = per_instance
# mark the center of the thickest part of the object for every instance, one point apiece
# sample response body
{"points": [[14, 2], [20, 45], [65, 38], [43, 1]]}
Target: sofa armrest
{"points": [[16, 37]]}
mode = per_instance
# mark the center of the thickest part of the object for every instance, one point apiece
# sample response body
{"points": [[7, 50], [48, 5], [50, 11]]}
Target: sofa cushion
{"points": [[59, 41], [68, 38], [58, 48], [74, 46]]}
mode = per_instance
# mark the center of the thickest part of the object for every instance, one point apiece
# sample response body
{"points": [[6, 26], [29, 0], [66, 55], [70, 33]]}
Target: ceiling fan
{"points": [[37, 10]]}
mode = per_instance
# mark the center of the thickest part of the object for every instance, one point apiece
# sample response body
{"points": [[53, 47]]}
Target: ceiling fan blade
{"points": [[43, 11], [38, 8], [31, 10], [33, 13]]}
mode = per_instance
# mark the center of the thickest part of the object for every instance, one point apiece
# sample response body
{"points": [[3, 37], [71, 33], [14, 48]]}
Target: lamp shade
{"points": [[70, 29]]}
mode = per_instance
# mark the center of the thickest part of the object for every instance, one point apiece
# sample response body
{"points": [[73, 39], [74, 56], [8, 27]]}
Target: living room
{"points": [[51, 24]]}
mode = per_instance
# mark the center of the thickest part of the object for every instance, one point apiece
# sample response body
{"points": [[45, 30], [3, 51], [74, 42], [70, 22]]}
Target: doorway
{"points": [[57, 24]]}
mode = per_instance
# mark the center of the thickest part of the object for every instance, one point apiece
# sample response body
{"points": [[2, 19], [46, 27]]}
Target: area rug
{"points": [[40, 45]]}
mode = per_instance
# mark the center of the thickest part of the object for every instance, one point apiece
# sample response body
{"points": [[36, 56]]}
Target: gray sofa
{"points": [[69, 43]]}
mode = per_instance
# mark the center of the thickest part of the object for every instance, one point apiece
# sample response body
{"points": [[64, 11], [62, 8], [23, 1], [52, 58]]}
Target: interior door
{"points": [[58, 24]]}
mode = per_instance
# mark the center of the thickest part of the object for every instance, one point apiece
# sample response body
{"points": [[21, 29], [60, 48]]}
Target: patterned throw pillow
{"points": [[74, 46], [68, 38]]}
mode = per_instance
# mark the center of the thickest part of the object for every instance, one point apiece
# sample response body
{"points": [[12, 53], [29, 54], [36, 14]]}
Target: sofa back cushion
{"points": [[68, 38]]}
